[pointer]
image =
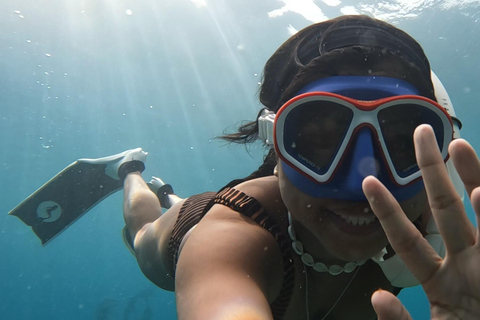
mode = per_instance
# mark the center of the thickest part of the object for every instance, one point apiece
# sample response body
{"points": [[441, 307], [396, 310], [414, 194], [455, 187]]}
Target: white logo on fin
{"points": [[49, 211]]}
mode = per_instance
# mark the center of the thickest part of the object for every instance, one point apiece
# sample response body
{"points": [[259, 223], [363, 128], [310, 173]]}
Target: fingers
{"points": [[468, 167], [475, 200], [388, 307], [466, 163], [447, 207], [404, 237]]}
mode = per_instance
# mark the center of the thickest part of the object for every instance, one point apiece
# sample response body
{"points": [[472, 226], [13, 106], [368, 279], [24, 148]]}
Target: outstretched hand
{"points": [[452, 284]]}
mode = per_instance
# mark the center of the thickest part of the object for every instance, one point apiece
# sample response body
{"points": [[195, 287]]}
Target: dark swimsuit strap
{"points": [[190, 214]]}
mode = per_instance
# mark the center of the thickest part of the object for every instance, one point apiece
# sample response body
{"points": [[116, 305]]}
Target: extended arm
{"points": [[149, 229], [229, 268]]}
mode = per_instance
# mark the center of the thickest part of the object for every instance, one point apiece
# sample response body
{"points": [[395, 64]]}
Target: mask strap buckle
{"points": [[265, 126]]}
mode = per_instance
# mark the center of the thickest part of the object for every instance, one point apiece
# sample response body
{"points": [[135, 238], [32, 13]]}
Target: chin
{"points": [[351, 252]]}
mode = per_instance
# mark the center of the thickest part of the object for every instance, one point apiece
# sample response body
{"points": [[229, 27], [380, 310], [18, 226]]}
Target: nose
{"points": [[363, 161]]}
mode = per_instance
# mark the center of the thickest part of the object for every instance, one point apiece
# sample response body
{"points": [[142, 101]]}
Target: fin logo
{"points": [[49, 211]]}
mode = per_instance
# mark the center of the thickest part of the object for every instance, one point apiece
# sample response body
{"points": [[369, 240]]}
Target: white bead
{"points": [[291, 233], [307, 259], [297, 247], [320, 267], [335, 270], [361, 263], [349, 267]]}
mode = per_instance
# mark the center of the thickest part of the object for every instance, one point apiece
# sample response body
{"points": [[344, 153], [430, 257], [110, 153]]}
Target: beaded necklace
{"points": [[308, 261]]}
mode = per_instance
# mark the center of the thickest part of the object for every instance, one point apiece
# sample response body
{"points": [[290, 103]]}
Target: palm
{"points": [[454, 290], [452, 284]]}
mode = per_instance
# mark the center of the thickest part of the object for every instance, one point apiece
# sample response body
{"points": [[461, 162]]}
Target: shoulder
{"points": [[225, 245], [261, 186], [266, 191]]}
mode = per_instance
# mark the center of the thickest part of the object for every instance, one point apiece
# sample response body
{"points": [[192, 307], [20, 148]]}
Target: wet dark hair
{"points": [[347, 45]]}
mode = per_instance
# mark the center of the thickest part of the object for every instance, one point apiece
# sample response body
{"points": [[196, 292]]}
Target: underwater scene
{"points": [[92, 78]]}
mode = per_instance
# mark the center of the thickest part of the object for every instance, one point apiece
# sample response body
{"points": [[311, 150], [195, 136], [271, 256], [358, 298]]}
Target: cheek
{"points": [[291, 196], [298, 203]]}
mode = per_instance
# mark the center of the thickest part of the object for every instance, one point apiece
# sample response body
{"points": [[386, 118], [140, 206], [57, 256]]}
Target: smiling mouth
{"points": [[357, 221], [361, 224]]}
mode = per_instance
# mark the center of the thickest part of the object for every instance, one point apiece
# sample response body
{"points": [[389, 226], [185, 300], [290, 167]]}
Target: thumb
{"points": [[388, 307]]}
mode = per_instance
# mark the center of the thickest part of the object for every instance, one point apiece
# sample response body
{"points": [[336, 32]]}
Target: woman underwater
{"points": [[340, 207]]}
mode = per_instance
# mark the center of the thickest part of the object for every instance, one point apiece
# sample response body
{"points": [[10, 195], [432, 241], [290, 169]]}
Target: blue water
{"points": [[95, 77]]}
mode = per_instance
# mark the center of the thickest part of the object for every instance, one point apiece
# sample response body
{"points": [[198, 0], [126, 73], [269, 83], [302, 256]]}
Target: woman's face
{"points": [[340, 229]]}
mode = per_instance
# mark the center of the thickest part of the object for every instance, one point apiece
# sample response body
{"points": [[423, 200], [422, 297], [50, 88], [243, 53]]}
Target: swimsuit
{"points": [[195, 208]]}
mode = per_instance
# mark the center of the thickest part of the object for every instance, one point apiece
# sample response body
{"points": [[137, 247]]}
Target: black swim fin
{"points": [[70, 194]]}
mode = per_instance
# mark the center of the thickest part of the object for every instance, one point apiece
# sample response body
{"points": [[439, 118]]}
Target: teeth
{"points": [[358, 221]]}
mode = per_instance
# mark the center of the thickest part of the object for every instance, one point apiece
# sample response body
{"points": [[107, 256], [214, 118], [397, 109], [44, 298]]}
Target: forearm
{"points": [[140, 205]]}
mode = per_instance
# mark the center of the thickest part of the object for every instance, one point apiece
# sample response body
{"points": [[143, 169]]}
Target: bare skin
{"points": [[239, 271], [231, 268], [150, 230]]}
